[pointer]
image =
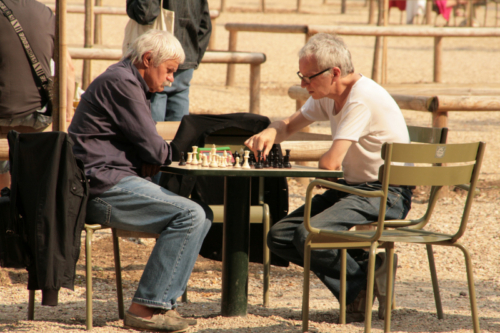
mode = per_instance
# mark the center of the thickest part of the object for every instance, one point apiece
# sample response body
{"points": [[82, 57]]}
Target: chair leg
{"points": [[390, 286], [31, 305], [435, 284], [472, 290], [118, 274], [305, 291], [342, 296], [267, 256], [185, 295], [369, 288], [88, 262]]}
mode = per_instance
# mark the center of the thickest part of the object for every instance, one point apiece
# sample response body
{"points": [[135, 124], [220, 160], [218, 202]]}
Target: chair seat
{"points": [[403, 235]]}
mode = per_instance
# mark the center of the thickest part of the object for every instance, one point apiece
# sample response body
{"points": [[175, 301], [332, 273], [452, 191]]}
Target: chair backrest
{"points": [[428, 134], [437, 165]]}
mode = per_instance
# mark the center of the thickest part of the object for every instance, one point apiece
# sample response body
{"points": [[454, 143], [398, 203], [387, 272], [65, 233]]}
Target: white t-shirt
{"points": [[369, 118]]}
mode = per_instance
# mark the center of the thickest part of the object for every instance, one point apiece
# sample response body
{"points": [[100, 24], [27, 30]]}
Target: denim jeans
{"points": [[136, 204], [334, 210], [173, 103]]}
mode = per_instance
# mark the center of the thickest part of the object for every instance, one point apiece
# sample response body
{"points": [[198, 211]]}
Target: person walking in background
{"points": [[23, 105], [193, 28]]}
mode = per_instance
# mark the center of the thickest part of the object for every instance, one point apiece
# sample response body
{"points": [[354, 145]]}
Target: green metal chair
{"points": [[258, 214], [445, 165]]}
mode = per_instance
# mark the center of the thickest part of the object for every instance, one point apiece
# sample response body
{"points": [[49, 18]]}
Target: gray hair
{"points": [[329, 51], [162, 45]]}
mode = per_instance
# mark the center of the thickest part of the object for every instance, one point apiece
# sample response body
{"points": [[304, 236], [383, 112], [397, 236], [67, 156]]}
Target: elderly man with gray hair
{"points": [[116, 138], [362, 116]]}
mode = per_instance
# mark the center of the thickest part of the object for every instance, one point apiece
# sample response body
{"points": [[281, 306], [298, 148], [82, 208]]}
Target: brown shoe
{"points": [[159, 322], [355, 312], [380, 287], [175, 314]]}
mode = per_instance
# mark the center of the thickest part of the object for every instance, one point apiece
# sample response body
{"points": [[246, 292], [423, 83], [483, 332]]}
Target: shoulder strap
{"points": [[44, 79]]}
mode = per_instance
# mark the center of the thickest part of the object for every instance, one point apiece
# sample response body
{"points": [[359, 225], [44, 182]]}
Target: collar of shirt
{"points": [[128, 63]]}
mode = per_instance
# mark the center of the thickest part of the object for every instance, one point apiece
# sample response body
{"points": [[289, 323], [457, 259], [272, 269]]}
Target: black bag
{"points": [[13, 244]]}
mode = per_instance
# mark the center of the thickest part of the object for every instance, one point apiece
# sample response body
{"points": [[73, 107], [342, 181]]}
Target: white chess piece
{"points": [[205, 161], [195, 149], [213, 163], [229, 160], [222, 162], [245, 163], [237, 165], [214, 149], [190, 158], [195, 159]]}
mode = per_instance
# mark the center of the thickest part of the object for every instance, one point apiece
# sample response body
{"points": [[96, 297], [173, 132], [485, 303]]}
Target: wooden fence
{"points": [[377, 31], [438, 105], [210, 57]]}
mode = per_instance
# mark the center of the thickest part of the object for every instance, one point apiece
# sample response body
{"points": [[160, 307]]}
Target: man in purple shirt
{"points": [[116, 138]]}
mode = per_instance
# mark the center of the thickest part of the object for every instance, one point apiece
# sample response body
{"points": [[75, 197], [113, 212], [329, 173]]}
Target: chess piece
{"points": [[229, 161], [280, 163], [245, 162], [251, 159], [276, 159], [258, 164], [213, 163], [190, 158], [236, 155], [195, 159], [222, 162], [286, 159], [266, 162], [182, 161], [270, 157], [205, 161], [237, 164]]}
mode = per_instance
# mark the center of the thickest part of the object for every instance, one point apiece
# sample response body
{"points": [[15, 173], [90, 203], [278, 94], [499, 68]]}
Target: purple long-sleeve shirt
{"points": [[112, 129]]}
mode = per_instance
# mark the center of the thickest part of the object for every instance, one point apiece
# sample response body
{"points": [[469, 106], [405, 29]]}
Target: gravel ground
{"points": [[410, 61]]}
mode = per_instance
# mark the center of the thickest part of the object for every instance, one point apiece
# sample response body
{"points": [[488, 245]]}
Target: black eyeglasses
{"points": [[307, 79]]}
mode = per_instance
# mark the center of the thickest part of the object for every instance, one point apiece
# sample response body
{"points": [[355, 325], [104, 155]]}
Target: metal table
{"points": [[236, 230]]}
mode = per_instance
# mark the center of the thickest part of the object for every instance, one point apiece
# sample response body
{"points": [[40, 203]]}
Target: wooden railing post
{"points": [[438, 58], [255, 88], [233, 37], [98, 25], [89, 41], [371, 12], [343, 7]]}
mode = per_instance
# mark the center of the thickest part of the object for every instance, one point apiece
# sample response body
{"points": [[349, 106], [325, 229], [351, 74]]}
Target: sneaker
{"points": [[380, 287], [175, 314], [161, 321]]}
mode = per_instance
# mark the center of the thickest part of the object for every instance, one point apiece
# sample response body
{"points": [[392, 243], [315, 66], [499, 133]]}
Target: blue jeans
{"points": [[173, 103], [136, 204], [334, 210]]}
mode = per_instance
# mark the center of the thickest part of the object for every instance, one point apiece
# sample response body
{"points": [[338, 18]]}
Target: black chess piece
{"points": [[286, 159], [266, 162], [251, 159], [258, 164], [182, 161], [276, 159], [280, 163], [271, 159]]}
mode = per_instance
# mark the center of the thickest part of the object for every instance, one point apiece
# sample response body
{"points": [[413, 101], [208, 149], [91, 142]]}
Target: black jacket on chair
{"points": [[51, 196], [193, 131]]}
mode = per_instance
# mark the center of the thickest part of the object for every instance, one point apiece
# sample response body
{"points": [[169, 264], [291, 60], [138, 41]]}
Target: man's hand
{"points": [[149, 170], [263, 141]]}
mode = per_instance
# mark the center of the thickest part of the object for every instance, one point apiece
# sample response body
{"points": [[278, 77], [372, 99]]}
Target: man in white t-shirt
{"points": [[362, 117]]}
